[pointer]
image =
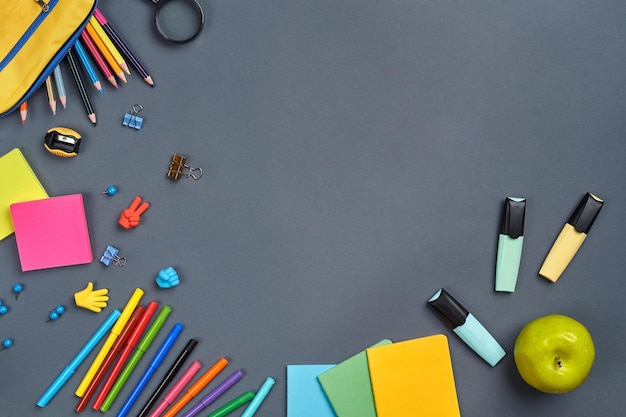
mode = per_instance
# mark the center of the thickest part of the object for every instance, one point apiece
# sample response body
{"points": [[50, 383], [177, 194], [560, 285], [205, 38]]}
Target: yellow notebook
{"points": [[19, 183], [413, 378]]}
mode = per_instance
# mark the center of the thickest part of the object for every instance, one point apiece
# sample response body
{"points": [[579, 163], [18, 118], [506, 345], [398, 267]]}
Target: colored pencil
{"points": [[123, 47], [23, 111], [97, 56], [58, 79], [71, 60], [105, 52], [49, 90], [109, 44], [84, 59]]}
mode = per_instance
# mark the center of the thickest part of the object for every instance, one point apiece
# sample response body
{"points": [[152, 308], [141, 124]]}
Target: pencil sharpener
{"points": [[62, 141]]}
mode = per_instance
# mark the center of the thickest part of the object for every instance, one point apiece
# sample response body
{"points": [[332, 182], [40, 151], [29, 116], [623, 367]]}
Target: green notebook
{"points": [[348, 387]]}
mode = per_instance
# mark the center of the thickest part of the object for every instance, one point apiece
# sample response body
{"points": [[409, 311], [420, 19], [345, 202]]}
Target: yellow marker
{"points": [[109, 44], [571, 237], [108, 344]]}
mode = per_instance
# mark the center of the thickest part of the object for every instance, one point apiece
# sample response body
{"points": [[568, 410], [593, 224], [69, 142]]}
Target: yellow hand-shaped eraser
{"points": [[92, 300]]}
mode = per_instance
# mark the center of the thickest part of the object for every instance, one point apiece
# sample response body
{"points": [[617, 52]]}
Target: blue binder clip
{"points": [[110, 257], [132, 119]]}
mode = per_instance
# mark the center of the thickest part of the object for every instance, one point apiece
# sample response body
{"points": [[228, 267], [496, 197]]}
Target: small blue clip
{"points": [[132, 119], [110, 257]]}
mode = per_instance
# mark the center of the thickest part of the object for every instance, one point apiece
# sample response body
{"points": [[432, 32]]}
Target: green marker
{"points": [[143, 345], [233, 405]]}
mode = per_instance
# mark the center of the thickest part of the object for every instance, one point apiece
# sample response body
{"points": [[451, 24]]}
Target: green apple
{"points": [[554, 353]]}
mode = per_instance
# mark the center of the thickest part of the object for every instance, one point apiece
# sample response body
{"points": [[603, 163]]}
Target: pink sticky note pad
{"points": [[51, 232]]}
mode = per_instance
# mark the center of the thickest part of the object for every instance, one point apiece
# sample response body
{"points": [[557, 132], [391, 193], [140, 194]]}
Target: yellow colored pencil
{"points": [[109, 44], [51, 100], [91, 31]]}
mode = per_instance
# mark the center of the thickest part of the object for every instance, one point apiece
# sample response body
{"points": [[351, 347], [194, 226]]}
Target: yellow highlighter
{"points": [[108, 344], [571, 237]]}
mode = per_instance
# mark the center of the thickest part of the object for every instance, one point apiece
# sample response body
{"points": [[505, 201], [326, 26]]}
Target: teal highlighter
{"points": [[510, 243], [466, 326]]}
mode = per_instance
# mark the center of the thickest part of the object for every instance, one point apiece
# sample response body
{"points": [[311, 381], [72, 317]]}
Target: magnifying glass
{"points": [[178, 21]]}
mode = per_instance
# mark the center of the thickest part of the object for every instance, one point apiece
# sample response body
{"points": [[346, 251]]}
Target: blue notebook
{"points": [[305, 397]]}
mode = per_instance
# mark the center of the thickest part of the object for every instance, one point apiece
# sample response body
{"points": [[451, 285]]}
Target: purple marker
{"points": [[215, 394]]}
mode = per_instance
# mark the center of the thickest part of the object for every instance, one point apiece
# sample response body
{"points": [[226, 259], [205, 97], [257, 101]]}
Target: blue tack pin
{"points": [[3, 310], [6, 343], [17, 289], [132, 118], [56, 313], [110, 257], [112, 190]]}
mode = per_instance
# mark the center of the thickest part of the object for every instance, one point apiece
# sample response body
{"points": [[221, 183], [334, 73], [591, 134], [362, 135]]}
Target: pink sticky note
{"points": [[51, 232]]}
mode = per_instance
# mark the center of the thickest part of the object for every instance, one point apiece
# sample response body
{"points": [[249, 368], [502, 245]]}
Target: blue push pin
{"points": [[17, 289], [3, 309], [56, 313], [112, 190], [6, 343], [132, 119]]}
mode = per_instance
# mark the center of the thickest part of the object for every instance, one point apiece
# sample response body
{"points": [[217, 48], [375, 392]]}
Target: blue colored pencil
{"points": [[87, 64], [58, 79]]}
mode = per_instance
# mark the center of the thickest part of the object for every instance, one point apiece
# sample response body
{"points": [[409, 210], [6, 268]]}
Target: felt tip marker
{"points": [[215, 394], [78, 359], [178, 387], [156, 361], [466, 326], [510, 243], [128, 348], [571, 237], [106, 364], [197, 386], [142, 347], [110, 340], [169, 376], [233, 405], [259, 397]]}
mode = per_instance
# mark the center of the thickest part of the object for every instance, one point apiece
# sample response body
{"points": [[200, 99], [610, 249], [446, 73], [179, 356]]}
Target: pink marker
{"points": [[176, 389]]}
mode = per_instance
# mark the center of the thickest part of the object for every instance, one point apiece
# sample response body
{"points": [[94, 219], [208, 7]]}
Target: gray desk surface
{"points": [[356, 155]]}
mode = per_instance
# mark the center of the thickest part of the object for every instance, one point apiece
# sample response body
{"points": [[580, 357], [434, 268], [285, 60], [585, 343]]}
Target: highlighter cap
{"points": [[585, 214], [449, 310], [513, 220]]}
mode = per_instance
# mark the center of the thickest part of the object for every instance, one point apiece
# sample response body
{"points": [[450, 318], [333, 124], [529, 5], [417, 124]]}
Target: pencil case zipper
{"points": [[46, 8]]}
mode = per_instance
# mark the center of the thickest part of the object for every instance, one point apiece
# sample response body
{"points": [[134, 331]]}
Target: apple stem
{"points": [[558, 361]]}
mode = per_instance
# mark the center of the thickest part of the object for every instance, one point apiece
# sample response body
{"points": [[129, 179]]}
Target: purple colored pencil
{"points": [[122, 46], [215, 394]]}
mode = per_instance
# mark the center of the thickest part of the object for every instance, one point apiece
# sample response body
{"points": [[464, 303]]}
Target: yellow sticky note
{"points": [[19, 183], [413, 378]]}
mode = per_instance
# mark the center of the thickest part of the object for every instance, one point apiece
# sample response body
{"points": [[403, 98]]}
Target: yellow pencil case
{"points": [[35, 35]]}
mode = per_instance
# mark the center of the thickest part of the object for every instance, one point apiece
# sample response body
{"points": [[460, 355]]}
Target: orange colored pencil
{"points": [[105, 52], [23, 111]]}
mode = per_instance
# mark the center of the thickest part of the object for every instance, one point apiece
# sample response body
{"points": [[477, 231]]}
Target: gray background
{"points": [[356, 155]]}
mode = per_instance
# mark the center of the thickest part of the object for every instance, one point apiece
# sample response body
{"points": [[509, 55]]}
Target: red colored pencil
{"points": [[97, 56]]}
